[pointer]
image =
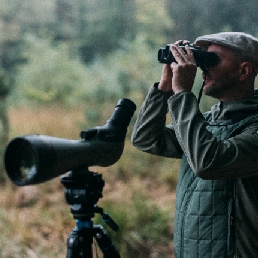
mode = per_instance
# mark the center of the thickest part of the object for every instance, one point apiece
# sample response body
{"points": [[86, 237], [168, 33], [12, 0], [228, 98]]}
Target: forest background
{"points": [[63, 66]]}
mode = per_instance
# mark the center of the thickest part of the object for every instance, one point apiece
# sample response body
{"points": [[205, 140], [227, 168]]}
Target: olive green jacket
{"points": [[217, 191]]}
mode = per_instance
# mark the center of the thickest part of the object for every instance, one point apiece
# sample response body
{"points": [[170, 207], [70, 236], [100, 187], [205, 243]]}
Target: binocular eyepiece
{"points": [[203, 58], [33, 159]]}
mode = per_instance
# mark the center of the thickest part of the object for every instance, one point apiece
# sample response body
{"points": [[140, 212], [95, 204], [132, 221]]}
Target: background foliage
{"points": [[63, 66]]}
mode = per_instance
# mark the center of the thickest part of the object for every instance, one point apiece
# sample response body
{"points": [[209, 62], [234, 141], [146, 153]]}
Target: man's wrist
{"points": [[167, 93], [165, 86], [180, 91]]}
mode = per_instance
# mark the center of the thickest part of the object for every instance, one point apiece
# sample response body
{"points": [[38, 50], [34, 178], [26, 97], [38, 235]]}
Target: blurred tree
{"points": [[10, 57], [154, 22], [69, 16], [50, 75], [235, 15], [107, 24], [195, 18], [4, 121], [98, 27]]}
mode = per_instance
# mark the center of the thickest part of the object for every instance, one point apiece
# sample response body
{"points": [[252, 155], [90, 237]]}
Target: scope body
{"points": [[33, 159]]}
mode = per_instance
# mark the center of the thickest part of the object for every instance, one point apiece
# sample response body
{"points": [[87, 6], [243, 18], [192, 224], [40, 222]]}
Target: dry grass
{"points": [[52, 120]]}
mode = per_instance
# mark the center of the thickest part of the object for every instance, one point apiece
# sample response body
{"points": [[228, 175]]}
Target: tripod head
{"points": [[83, 190]]}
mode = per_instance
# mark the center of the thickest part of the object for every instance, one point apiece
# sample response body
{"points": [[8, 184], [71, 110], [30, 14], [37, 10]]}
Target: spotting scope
{"points": [[34, 159]]}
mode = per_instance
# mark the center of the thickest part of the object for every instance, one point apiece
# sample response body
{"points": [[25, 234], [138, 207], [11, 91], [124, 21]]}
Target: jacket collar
{"points": [[226, 110]]}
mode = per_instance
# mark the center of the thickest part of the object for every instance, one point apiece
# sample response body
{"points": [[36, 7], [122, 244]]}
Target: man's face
{"points": [[222, 79]]}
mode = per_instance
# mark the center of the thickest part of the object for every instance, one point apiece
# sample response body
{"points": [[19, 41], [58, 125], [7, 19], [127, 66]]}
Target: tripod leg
{"points": [[73, 247], [105, 242], [78, 246]]}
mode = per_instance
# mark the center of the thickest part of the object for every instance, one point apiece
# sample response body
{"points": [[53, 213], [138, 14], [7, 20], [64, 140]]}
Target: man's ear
{"points": [[245, 70]]}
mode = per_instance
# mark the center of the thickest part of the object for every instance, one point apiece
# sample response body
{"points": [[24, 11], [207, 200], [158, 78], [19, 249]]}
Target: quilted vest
{"points": [[202, 225]]}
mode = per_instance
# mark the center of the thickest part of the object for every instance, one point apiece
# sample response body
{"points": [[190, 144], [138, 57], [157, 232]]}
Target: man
{"points": [[217, 191]]}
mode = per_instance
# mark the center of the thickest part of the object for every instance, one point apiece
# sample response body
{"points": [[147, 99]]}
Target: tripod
{"points": [[83, 190]]}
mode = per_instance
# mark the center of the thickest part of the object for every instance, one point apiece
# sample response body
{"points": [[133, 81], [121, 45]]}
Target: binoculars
{"points": [[203, 58]]}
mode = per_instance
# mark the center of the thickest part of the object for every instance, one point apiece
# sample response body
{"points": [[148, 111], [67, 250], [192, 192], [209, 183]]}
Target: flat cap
{"points": [[245, 44]]}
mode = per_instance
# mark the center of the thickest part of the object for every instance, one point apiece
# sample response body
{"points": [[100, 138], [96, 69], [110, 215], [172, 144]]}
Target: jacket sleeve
{"points": [[151, 134], [209, 157]]}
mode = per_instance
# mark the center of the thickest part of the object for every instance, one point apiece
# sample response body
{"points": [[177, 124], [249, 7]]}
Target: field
{"points": [[139, 194]]}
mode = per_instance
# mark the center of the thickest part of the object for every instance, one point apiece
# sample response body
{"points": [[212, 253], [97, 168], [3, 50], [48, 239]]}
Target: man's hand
{"points": [[165, 83], [184, 71]]}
